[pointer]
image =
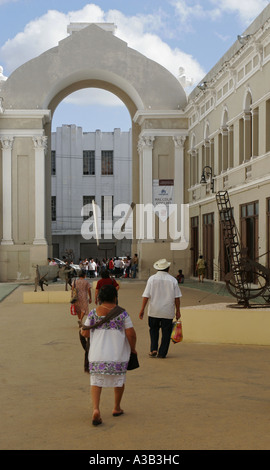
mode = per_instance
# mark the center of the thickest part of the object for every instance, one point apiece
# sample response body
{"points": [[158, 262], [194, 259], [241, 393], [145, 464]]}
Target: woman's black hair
{"points": [[105, 274], [107, 294], [82, 273]]}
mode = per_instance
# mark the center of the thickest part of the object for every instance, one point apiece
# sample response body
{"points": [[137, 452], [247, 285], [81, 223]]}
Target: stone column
{"points": [[182, 220], [40, 146], [145, 147], [179, 142], [7, 143]]}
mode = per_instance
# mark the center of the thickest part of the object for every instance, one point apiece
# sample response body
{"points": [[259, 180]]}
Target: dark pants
{"points": [[85, 342], [166, 329]]}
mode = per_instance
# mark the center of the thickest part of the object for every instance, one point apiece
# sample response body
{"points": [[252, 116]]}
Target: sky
{"points": [[188, 34]]}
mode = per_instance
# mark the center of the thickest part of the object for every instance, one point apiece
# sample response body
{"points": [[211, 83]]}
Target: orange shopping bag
{"points": [[177, 332], [72, 310]]}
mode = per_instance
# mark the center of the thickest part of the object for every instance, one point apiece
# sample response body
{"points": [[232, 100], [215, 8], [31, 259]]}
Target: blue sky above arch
{"points": [[192, 34]]}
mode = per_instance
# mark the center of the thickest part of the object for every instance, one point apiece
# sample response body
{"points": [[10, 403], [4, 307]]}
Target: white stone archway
{"points": [[90, 57]]}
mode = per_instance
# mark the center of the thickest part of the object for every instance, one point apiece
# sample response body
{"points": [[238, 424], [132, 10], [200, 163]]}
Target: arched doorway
{"points": [[91, 160], [91, 57]]}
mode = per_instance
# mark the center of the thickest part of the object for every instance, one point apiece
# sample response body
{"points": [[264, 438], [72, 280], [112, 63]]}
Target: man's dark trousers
{"points": [[166, 329]]}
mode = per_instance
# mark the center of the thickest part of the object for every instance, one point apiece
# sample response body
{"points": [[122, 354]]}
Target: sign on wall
{"points": [[163, 193]]}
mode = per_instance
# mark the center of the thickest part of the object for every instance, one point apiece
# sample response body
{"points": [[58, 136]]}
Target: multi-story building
{"points": [[229, 143], [89, 166]]}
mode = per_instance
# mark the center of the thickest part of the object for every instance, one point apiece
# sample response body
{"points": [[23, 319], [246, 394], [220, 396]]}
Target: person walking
{"points": [[163, 294], [201, 268], [110, 347], [83, 289], [92, 267], [134, 266], [111, 266], [105, 280], [117, 267], [127, 266]]}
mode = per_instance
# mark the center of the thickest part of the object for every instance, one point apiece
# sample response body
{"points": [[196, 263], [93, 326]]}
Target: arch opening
{"points": [[89, 163]]}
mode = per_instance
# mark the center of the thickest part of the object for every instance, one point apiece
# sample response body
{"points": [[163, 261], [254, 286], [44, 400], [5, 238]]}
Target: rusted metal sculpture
{"points": [[247, 279], [45, 274]]}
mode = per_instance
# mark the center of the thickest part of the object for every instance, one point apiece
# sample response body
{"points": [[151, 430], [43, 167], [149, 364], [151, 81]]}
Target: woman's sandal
{"points": [[96, 420], [153, 354], [118, 413]]}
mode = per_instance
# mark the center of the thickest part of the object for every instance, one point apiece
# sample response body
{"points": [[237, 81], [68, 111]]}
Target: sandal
{"points": [[153, 354], [96, 420]]}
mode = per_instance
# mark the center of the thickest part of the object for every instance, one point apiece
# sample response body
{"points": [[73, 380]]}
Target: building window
{"points": [[88, 162], [208, 243], [193, 167], [53, 163], [231, 146], [250, 232], [255, 140], [107, 162], [268, 233], [87, 211], [106, 208], [194, 243], [267, 143], [53, 208]]}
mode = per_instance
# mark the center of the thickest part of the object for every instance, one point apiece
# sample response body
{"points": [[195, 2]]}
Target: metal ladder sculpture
{"points": [[247, 278], [233, 247]]}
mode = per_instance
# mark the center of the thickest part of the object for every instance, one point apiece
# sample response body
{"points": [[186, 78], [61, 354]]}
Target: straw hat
{"points": [[162, 264]]}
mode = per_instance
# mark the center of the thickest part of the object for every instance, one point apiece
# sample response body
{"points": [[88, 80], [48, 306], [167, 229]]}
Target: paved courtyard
{"points": [[202, 396]]}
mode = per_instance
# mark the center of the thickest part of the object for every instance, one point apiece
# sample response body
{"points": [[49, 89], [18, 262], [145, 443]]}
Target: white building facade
{"points": [[87, 166], [229, 137]]}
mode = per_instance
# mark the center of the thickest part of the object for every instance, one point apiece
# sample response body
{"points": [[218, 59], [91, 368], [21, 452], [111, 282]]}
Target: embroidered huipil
{"points": [[109, 348]]}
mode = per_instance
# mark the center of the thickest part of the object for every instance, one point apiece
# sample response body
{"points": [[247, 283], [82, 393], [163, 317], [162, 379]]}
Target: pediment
{"points": [[90, 56]]}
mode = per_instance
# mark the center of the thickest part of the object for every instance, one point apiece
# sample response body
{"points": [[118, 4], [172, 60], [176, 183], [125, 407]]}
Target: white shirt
{"points": [[117, 263], [162, 289]]}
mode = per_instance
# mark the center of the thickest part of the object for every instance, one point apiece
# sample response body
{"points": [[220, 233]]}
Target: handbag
{"points": [[177, 332], [74, 294], [133, 362]]}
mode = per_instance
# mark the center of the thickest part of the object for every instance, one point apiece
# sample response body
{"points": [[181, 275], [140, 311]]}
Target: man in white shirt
{"points": [[92, 268], [163, 293]]}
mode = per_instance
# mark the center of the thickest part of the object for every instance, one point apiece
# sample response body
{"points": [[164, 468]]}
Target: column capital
{"points": [[40, 142], [179, 141], [7, 142], [1, 105], [224, 130], [145, 142]]}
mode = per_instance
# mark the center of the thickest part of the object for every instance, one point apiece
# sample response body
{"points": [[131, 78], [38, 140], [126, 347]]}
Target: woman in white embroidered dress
{"points": [[110, 347]]}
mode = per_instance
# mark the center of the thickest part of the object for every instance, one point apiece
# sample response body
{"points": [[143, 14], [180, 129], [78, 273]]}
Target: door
{"points": [[208, 244]]}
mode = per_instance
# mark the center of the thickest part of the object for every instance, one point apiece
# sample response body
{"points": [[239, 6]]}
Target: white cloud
{"points": [[38, 36], [140, 32], [185, 13], [7, 1], [247, 10], [93, 96]]}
